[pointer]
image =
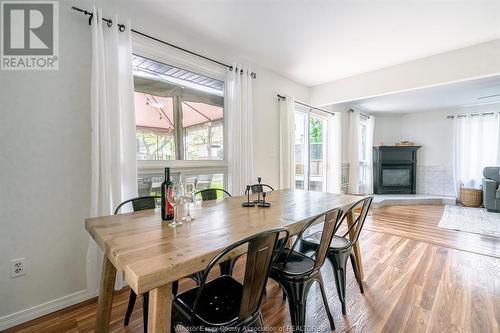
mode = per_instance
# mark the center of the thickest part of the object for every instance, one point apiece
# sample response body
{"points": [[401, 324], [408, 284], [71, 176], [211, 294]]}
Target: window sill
{"points": [[153, 167]]}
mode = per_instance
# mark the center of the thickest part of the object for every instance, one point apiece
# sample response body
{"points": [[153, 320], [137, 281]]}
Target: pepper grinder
{"points": [[248, 203], [263, 203]]}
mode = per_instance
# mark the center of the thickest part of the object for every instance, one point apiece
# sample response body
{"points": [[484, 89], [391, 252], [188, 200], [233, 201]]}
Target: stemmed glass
{"points": [[175, 195], [189, 192]]}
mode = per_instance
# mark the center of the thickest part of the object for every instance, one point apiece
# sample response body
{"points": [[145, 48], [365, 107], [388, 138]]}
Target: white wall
{"points": [[466, 63], [387, 130], [45, 172], [45, 153], [434, 133]]}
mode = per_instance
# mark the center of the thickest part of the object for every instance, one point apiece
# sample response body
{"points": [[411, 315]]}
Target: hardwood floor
{"points": [[418, 278], [420, 223]]}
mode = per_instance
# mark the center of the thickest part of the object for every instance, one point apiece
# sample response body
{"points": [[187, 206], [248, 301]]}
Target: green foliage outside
{"points": [[316, 130]]}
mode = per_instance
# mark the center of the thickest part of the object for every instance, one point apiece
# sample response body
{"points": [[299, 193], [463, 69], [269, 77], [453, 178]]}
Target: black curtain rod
{"points": [[121, 27], [361, 114], [282, 98], [472, 115]]}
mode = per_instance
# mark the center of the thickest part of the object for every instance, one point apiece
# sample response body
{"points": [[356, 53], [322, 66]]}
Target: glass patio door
{"points": [[310, 150]]}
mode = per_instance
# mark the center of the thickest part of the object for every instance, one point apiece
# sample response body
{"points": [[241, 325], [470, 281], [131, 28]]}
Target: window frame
{"points": [[162, 53]]}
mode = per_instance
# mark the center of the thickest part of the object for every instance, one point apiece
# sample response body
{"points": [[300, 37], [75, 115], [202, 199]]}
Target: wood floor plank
{"points": [[418, 278]]}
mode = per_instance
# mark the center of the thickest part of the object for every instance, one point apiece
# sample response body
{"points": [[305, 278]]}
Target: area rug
{"points": [[475, 220]]}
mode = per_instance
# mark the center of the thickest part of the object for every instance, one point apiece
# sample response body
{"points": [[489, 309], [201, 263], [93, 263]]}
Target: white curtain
{"points": [[240, 129], [353, 151], [370, 124], [476, 145], [113, 146], [334, 153], [287, 142]]}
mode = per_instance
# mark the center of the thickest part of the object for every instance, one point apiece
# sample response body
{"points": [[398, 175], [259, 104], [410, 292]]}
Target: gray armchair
{"points": [[491, 182]]}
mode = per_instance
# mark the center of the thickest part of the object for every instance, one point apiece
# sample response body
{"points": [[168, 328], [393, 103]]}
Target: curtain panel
{"points": [[334, 153], [240, 129], [354, 151], [370, 125], [113, 146], [287, 142], [476, 146]]}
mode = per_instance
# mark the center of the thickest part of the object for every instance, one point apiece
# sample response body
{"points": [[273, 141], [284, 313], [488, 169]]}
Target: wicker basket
{"points": [[471, 197]]}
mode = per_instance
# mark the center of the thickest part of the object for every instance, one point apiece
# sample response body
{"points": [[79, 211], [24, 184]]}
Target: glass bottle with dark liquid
{"points": [[167, 211]]}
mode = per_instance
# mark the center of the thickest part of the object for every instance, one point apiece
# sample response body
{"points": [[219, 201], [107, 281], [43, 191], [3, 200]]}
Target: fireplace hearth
{"points": [[395, 169]]}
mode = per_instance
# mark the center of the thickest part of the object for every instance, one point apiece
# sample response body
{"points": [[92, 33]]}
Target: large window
{"points": [[179, 113], [310, 150], [179, 123]]}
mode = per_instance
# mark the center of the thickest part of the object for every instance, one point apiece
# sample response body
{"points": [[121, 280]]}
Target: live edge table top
{"points": [[152, 254]]}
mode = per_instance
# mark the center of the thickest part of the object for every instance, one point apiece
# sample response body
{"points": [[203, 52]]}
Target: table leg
{"points": [[160, 309], [357, 251], [105, 299]]}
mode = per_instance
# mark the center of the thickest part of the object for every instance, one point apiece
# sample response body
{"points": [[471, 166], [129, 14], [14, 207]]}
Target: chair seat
{"points": [[337, 241], [297, 263], [219, 303]]}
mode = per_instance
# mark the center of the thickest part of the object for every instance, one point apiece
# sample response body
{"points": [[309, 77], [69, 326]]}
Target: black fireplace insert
{"points": [[394, 169]]}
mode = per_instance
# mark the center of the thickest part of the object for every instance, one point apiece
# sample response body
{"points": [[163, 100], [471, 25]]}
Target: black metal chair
{"points": [[226, 267], [211, 193], [295, 272], [138, 204], [223, 303], [341, 248]]}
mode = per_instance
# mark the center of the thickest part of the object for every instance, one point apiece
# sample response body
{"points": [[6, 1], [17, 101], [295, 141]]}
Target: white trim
{"points": [[43, 309], [145, 167], [168, 55]]}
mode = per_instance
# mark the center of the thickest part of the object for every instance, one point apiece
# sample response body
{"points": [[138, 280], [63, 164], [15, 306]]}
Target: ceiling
{"points": [[314, 42], [460, 94]]}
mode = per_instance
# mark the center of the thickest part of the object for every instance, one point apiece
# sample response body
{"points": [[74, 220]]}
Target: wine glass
{"points": [[175, 195], [189, 192]]}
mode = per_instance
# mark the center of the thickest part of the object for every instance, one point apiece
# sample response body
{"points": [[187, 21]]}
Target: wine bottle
{"points": [[167, 210]]}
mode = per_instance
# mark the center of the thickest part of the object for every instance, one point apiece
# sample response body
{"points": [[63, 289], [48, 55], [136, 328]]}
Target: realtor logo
{"points": [[30, 35]]}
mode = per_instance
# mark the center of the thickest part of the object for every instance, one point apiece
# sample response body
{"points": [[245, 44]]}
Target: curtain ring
{"points": [[121, 27], [109, 23]]}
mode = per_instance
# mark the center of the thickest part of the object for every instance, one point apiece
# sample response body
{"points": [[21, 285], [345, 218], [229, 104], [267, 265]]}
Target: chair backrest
{"points": [[492, 173], [140, 203], [330, 222], [260, 255], [359, 221], [211, 193], [259, 188]]}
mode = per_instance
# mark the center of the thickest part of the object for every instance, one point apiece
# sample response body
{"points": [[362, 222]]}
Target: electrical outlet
{"points": [[17, 267]]}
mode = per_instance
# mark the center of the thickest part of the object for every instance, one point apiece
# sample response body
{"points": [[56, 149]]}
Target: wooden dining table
{"points": [[151, 255]]}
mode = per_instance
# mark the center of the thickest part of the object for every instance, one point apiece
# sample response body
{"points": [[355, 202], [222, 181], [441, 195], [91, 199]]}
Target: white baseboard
{"points": [[36, 311], [411, 199]]}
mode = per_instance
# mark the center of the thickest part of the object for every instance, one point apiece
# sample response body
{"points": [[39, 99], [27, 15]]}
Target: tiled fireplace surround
{"points": [[431, 179], [435, 180]]}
